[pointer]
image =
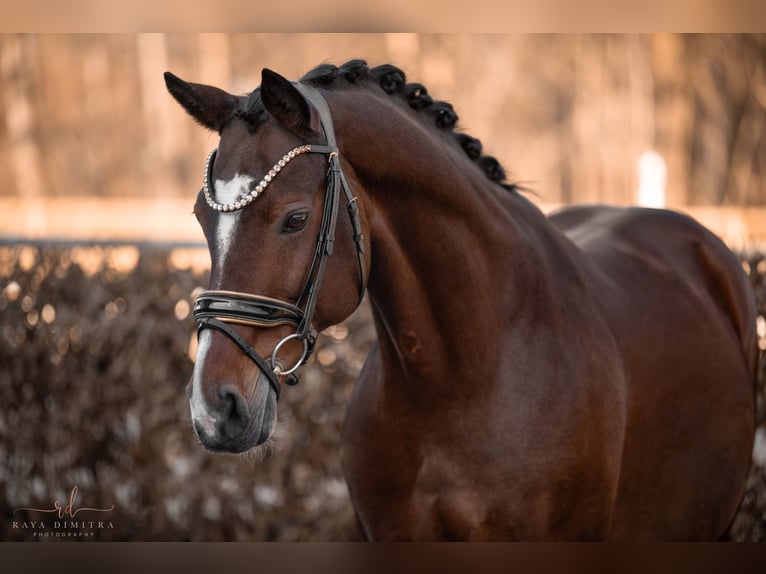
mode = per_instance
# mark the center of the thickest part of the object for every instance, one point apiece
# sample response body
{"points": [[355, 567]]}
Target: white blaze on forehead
{"points": [[199, 411], [228, 191]]}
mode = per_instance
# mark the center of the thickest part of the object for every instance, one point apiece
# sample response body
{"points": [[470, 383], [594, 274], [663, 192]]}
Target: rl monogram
{"points": [[69, 510]]}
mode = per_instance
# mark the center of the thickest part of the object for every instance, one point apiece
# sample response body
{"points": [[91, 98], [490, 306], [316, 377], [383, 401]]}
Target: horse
{"points": [[587, 375]]}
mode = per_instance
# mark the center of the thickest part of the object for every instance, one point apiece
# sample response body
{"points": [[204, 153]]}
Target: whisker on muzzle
{"points": [[271, 446]]}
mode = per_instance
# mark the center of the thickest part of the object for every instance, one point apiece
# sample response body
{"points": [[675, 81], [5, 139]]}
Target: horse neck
{"points": [[455, 258]]}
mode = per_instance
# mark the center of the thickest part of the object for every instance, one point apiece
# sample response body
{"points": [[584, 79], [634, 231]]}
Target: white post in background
{"points": [[652, 180]]}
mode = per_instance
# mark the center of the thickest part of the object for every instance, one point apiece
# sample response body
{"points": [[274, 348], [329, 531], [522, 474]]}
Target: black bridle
{"points": [[220, 309]]}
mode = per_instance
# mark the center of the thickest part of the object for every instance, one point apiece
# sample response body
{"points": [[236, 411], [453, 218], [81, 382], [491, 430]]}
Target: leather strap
{"points": [[263, 365], [336, 180]]}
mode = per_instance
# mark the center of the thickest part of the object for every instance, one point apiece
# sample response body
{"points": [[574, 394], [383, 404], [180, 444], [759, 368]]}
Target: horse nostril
{"points": [[232, 405]]}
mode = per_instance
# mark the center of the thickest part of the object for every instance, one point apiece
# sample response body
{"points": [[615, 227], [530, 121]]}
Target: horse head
{"points": [[269, 209]]}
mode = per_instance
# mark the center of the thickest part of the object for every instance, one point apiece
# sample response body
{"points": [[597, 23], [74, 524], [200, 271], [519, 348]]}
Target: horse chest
{"points": [[418, 495], [503, 469], [418, 492]]}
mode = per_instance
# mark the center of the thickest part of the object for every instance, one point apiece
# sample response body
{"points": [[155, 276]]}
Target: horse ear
{"points": [[283, 101], [209, 105]]}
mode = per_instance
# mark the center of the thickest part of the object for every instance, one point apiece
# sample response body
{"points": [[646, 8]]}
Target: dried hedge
{"points": [[94, 355]]}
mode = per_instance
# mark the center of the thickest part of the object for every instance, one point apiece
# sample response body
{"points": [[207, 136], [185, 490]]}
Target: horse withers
{"points": [[588, 375]]}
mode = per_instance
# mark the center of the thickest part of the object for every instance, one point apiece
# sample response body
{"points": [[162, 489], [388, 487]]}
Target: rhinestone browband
{"points": [[247, 198]]}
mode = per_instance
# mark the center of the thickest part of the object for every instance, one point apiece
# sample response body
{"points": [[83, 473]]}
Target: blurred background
{"points": [[101, 259]]}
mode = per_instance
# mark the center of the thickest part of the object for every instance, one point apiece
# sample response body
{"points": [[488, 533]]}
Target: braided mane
{"points": [[393, 81]]}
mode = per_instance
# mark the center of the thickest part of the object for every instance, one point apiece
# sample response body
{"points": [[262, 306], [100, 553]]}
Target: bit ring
{"points": [[277, 370]]}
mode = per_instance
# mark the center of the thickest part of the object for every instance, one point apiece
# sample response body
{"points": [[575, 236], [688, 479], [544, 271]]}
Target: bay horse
{"points": [[584, 376]]}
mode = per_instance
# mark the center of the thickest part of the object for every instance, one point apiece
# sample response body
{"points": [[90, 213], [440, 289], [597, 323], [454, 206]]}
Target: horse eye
{"points": [[295, 222]]}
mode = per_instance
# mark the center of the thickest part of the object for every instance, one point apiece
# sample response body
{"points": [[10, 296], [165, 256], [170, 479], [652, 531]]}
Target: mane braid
{"points": [[393, 81]]}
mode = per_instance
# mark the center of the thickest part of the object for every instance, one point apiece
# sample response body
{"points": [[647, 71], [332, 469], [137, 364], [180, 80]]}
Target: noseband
{"points": [[220, 309]]}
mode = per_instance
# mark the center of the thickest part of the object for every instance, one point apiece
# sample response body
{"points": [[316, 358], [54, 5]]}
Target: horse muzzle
{"points": [[233, 421]]}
